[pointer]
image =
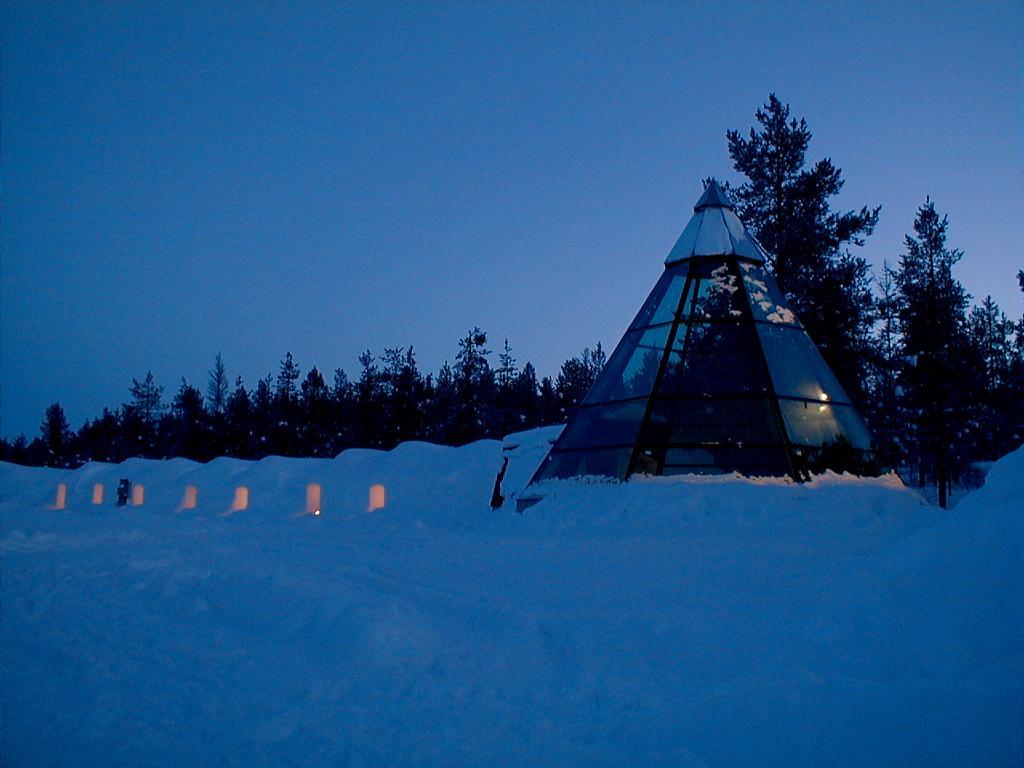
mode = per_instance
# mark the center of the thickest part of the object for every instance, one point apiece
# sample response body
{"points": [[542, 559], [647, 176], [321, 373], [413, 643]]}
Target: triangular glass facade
{"points": [[715, 374]]}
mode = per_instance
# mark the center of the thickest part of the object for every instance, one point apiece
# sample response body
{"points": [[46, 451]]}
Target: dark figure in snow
{"points": [[496, 498], [124, 490]]}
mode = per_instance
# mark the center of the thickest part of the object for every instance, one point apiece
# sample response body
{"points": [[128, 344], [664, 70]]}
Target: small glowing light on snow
{"points": [[97, 493], [313, 499], [822, 408], [241, 500], [62, 497], [824, 396], [378, 497], [188, 501], [138, 495]]}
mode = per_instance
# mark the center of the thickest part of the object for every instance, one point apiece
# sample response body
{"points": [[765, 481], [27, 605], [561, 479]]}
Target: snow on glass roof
{"points": [[715, 230]]}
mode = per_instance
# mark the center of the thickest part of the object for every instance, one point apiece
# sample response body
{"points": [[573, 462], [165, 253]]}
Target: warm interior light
{"points": [[97, 493], [824, 395], [378, 497], [241, 500], [313, 499], [188, 501], [138, 495], [62, 497]]}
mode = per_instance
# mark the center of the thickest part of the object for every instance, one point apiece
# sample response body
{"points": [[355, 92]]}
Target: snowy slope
{"points": [[664, 622]]}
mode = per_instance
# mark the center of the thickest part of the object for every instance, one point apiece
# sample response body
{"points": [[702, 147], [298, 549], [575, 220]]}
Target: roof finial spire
{"points": [[714, 197]]}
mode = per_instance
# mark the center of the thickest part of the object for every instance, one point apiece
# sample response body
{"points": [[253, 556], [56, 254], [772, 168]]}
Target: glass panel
{"points": [[820, 423], [714, 358], [717, 294], [796, 366], [767, 302], [606, 463], [663, 301], [615, 424], [760, 461], [713, 236], [698, 422], [689, 457], [631, 370], [742, 243]]}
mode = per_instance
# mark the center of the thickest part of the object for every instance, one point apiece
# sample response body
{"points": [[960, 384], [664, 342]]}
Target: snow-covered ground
{"points": [[666, 622]]}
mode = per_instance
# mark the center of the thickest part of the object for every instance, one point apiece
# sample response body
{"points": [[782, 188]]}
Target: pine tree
{"points": [[995, 398], [343, 415], [474, 382], [262, 430], [406, 397], [238, 422], [576, 377], [507, 405], [316, 407], [786, 206], [285, 389], [140, 418], [187, 430], [443, 404], [882, 410], [285, 416], [369, 401], [147, 398], [56, 436], [550, 412], [527, 397], [217, 386], [932, 314]]}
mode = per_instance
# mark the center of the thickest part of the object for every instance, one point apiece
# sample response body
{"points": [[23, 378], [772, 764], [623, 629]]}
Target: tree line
{"points": [[289, 414], [939, 380]]}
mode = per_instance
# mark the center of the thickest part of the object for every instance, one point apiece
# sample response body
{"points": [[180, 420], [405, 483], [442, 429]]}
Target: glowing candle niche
{"points": [[378, 497], [313, 499], [188, 501], [97, 494], [60, 502], [241, 500], [138, 495]]}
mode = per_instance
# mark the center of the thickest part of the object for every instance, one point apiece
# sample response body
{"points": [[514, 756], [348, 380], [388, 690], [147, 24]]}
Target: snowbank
{"points": [[676, 622]]}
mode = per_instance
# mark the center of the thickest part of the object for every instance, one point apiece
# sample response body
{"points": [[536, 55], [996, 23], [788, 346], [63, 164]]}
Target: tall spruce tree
{"points": [[217, 386], [933, 321], [56, 436], [474, 384], [995, 401], [508, 408], [315, 421], [187, 433], [576, 377], [369, 403], [238, 423], [140, 418], [882, 406], [786, 206]]}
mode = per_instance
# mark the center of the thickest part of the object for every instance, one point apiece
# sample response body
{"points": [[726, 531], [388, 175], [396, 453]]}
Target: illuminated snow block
{"points": [[190, 497], [378, 498], [313, 499]]}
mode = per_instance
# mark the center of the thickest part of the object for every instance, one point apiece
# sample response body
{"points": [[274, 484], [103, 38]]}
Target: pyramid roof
{"points": [[715, 373], [715, 230]]}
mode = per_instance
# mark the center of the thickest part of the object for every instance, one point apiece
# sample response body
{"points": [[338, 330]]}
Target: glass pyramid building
{"points": [[714, 375]]}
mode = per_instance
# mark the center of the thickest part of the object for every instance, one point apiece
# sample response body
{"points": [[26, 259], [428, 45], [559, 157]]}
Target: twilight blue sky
{"points": [[254, 178]]}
